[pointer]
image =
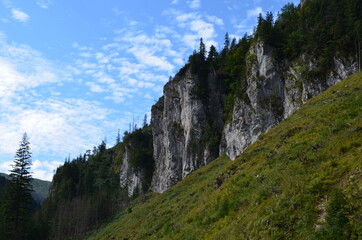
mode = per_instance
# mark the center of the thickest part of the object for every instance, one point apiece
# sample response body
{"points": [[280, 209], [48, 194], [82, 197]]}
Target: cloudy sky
{"points": [[73, 72]]}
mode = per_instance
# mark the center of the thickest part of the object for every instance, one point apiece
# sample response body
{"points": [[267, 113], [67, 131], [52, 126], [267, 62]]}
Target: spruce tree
{"points": [[118, 138], [18, 199], [202, 51]]}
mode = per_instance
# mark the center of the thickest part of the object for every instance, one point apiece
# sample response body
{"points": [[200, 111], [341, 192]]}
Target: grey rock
{"points": [[275, 91], [130, 179], [178, 123]]}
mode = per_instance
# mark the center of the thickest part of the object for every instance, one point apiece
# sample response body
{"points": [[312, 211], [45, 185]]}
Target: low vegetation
{"points": [[301, 180]]}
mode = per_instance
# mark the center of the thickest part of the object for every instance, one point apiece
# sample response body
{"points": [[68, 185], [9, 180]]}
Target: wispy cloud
{"points": [[215, 20], [132, 62], [195, 26], [254, 12], [44, 3], [22, 68], [246, 24], [95, 87], [44, 169], [57, 125], [194, 4], [19, 15], [145, 56]]}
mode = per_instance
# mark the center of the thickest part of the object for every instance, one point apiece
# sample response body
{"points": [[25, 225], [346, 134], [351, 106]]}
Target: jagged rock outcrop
{"points": [[274, 91], [179, 122], [130, 179]]}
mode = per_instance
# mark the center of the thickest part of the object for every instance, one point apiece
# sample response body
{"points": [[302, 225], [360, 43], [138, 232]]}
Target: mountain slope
{"points": [[301, 180], [40, 187]]}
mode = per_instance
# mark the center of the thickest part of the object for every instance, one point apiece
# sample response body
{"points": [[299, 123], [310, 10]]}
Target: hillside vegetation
{"points": [[301, 180], [40, 187]]}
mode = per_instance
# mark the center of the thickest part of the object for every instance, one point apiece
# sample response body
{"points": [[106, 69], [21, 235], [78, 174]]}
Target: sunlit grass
{"points": [[274, 190]]}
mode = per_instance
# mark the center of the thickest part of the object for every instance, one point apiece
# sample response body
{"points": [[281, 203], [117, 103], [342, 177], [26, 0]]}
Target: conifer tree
{"points": [[145, 124], [118, 138], [212, 54], [202, 51], [18, 199], [226, 49]]}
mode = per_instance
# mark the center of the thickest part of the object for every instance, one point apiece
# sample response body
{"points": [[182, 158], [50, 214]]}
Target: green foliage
{"points": [[140, 147], [235, 68], [265, 29], [277, 189], [321, 30], [85, 192], [336, 225], [272, 191], [15, 222]]}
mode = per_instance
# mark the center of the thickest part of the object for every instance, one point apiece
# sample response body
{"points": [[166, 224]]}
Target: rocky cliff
{"points": [[221, 103], [274, 91], [137, 161], [180, 120], [130, 179]]}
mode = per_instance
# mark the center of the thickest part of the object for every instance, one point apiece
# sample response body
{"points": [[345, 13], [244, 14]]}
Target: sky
{"points": [[73, 72]]}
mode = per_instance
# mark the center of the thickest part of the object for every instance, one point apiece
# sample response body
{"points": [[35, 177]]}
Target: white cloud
{"points": [[117, 11], [216, 20], [23, 68], [44, 169], [246, 25], [202, 28], [254, 12], [85, 54], [196, 26], [95, 87], [56, 126], [19, 15], [194, 4], [183, 17], [5, 166], [11, 80], [53, 126], [44, 3], [145, 56], [174, 2], [179, 61]]}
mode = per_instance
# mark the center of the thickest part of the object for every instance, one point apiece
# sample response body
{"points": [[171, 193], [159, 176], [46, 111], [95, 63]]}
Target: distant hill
{"points": [[40, 187]]}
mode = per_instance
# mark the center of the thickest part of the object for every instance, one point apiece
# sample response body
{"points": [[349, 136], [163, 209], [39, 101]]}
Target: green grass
{"points": [[279, 188]]}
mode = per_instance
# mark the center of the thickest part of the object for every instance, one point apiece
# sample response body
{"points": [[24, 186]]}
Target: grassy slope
{"points": [[277, 189]]}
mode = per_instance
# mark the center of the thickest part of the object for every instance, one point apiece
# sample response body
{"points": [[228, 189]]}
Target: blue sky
{"points": [[73, 72]]}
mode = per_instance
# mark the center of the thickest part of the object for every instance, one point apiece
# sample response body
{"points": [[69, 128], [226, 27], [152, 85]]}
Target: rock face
{"points": [[178, 125], [130, 179], [275, 90]]}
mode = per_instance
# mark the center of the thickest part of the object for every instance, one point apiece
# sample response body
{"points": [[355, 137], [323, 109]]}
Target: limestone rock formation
{"points": [[130, 179], [179, 121], [275, 90]]}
